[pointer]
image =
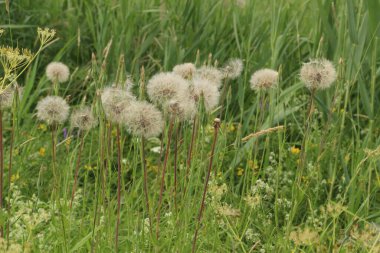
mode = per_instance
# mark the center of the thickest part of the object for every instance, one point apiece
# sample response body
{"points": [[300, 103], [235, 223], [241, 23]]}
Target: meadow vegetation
{"points": [[189, 126]]}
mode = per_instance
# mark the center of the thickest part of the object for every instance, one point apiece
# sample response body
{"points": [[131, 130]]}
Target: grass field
{"points": [[285, 169]]}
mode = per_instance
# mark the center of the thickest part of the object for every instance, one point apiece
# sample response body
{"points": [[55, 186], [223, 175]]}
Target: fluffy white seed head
{"points": [[115, 100], [164, 86], [233, 68], [143, 119], [53, 110], [210, 93], [57, 72], [185, 70], [7, 96], [264, 79], [83, 118], [211, 74], [318, 74], [182, 107]]}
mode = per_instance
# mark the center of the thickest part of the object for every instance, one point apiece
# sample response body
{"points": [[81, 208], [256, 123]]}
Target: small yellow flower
{"points": [[88, 167], [15, 177], [42, 151], [240, 171], [231, 128], [68, 142], [347, 158], [294, 150], [114, 132], [42, 127], [341, 110], [252, 164]]}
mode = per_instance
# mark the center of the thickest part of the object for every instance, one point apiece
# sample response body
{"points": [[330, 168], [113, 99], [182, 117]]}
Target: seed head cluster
{"points": [[83, 118], [264, 79], [164, 86], [233, 69], [185, 70], [53, 110], [115, 100], [203, 90], [211, 74], [318, 74], [143, 119], [57, 72]]}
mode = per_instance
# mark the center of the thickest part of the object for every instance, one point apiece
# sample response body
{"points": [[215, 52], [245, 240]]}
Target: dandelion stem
{"points": [[190, 152], [143, 163], [175, 165], [1, 167], [10, 174], [118, 186], [163, 175], [77, 170], [216, 130]]}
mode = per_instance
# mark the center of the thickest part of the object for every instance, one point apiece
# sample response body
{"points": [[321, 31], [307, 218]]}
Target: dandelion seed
{"points": [[57, 72], [318, 74], [211, 74], [264, 79], [83, 118], [185, 70], [233, 68], [115, 101], [165, 86], [143, 119], [53, 110], [210, 93]]}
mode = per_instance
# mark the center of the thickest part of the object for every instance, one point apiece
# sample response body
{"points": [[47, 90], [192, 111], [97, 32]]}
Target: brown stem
{"points": [[163, 175], [190, 152], [77, 170], [53, 152], [10, 176], [175, 165], [118, 186], [143, 162], [216, 130], [307, 130], [1, 167]]}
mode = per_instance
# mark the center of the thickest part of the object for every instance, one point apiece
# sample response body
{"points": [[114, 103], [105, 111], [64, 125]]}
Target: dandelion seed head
{"points": [[264, 79], [164, 86], [185, 70], [318, 74], [115, 100], [210, 93], [233, 68], [83, 118], [7, 96], [57, 72], [143, 119], [212, 74], [183, 108], [53, 110]]}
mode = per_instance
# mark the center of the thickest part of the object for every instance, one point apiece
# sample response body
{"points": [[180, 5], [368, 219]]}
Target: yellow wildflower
{"points": [[15, 177], [231, 128], [294, 150], [88, 167], [42, 127], [240, 171], [42, 151], [252, 164]]}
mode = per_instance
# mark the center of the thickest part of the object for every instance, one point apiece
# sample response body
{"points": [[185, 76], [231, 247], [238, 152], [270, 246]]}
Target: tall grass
{"points": [[257, 199]]}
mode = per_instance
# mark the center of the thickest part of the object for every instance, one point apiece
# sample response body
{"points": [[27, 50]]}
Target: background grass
{"points": [[157, 35]]}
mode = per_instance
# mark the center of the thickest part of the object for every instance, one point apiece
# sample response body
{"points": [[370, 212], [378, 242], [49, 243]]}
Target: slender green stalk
{"points": [[216, 130], [77, 169], [118, 187], [163, 173]]}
